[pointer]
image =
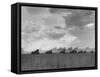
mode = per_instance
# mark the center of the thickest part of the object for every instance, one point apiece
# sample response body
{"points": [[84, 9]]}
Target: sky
{"points": [[48, 28]]}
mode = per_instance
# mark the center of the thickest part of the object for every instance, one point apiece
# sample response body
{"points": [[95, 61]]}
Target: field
{"points": [[56, 61]]}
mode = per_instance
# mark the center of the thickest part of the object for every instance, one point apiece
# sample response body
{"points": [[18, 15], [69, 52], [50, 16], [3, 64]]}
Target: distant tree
{"points": [[91, 51], [49, 52], [82, 51], [70, 48], [76, 48], [73, 51], [35, 52], [63, 50]]}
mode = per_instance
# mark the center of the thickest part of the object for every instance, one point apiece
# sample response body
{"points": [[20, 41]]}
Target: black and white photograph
{"points": [[57, 38]]}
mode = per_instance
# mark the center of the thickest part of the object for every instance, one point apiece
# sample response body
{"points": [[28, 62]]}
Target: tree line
{"points": [[64, 51]]}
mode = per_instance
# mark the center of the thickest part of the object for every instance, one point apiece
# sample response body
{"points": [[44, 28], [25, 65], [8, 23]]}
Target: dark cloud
{"points": [[36, 10], [51, 20], [58, 10], [55, 36], [30, 29], [54, 20], [58, 27], [77, 18]]}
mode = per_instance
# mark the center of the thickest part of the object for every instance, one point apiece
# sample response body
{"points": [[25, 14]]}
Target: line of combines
{"points": [[65, 51]]}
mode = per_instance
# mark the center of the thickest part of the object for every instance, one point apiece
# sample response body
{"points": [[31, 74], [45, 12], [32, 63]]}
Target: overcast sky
{"points": [[47, 28]]}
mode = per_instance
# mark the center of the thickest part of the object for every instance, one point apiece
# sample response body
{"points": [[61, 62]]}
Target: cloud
{"points": [[38, 11], [79, 19], [44, 30], [61, 11], [55, 20], [76, 17], [90, 25], [45, 39], [80, 23], [47, 44]]}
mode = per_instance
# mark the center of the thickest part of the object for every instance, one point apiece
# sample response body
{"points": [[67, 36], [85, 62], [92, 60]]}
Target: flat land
{"points": [[56, 61]]}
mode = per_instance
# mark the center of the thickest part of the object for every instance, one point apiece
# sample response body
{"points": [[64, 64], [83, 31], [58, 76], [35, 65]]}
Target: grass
{"points": [[57, 61]]}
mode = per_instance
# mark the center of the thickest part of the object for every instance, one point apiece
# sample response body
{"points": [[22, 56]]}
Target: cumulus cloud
{"points": [[44, 30], [76, 18], [90, 25], [79, 18]]}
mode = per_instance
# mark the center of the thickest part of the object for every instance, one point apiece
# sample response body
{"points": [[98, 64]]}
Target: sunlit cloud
{"points": [[90, 25]]}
